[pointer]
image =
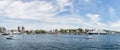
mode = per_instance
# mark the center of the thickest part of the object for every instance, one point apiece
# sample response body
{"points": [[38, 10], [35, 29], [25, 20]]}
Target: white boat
{"points": [[101, 32], [88, 37], [10, 37]]}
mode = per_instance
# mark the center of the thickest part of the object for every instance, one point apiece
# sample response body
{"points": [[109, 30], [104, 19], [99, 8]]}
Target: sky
{"points": [[57, 14]]}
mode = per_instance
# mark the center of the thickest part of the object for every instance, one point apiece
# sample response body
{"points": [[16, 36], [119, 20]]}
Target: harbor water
{"points": [[60, 42]]}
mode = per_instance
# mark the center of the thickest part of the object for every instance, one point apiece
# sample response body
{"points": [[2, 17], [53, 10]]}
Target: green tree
{"points": [[12, 31], [63, 31], [80, 30], [40, 31], [28, 32]]}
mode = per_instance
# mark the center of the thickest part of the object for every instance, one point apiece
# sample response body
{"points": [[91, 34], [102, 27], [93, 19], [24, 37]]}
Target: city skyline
{"points": [[50, 14]]}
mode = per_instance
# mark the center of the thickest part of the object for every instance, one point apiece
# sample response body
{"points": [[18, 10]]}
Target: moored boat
{"points": [[98, 32]]}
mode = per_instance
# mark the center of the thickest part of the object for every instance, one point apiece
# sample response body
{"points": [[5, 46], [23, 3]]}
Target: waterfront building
{"points": [[2, 29], [21, 29], [18, 29]]}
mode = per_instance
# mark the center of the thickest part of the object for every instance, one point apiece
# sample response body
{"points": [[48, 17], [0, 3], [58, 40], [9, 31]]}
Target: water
{"points": [[60, 42]]}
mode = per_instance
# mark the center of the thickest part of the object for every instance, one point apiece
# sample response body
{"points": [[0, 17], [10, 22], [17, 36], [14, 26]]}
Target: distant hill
{"points": [[109, 31]]}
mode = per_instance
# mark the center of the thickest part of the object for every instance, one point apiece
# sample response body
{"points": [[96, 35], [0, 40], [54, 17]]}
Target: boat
{"points": [[88, 37], [98, 32], [9, 38], [5, 34]]}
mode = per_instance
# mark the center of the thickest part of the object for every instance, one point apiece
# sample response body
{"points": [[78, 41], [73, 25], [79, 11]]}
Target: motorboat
{"points": [[88, 37], [4, 34], [10, 38]]}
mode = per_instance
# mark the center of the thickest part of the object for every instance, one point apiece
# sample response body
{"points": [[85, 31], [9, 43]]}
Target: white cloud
{"points": [[112, 12], [34, 9], [63, 3], [49, 26], [95, 21], [115, 25], [5, 3], [94, 17], [46, 12], [13, 21]]}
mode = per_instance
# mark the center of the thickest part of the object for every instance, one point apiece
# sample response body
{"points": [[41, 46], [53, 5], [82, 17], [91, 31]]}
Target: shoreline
{"points": [[60, 34]]}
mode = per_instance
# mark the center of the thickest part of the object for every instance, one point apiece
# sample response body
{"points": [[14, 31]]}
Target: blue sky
{"points": [[52, 14]]}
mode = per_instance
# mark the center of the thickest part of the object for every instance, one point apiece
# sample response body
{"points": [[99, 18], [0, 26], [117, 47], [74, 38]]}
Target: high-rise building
{"points": [[2, 29], [21, 29], [18, 29]]}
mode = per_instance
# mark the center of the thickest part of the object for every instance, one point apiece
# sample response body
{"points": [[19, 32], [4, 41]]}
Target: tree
{"points": [[63, 31], [80, 30], [40, 31], [12, 31], [56, 30], [29, 32]]}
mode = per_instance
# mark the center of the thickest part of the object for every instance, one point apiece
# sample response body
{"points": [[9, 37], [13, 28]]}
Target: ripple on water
{"points": [[60, 42]]}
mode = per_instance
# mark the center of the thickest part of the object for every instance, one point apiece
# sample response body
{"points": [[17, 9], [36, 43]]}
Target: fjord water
{"points": [[60, 42]]}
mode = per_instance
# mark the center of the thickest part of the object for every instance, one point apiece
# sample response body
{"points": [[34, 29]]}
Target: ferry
{"points": [[98, 32]]}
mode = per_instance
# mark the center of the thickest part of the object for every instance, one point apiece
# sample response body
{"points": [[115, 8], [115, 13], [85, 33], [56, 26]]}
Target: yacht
{"points": [[101, 32]]}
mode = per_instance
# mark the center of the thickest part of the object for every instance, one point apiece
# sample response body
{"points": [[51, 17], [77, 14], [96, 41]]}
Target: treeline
{"points": [[71, 30], [60, 31], [56, 31]]}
